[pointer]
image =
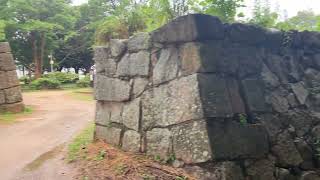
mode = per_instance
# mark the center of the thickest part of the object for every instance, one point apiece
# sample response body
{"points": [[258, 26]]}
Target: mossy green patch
{"points": [[80, 142], [9, 117]]}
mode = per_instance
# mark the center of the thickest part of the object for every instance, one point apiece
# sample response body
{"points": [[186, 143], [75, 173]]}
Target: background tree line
{"points": [[39, 28]]}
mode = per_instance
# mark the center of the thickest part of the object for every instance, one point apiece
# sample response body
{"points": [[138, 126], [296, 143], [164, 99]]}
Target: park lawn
{"points": [[8, 117], [83, 94]]}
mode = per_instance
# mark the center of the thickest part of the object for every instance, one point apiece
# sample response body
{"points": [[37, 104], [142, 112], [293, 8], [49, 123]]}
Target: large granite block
{"points": [[232, 140], [191, 142], [111, 89], [108, 113], [220, 96], [135, 64], [172, 103], [7, 62], [190, 28], [13, 95]]}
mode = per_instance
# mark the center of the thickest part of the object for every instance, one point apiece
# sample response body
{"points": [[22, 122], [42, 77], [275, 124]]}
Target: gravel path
{"points": [[57, 117]]}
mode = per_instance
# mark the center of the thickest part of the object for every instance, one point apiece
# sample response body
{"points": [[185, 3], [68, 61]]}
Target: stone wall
{"points": [[228, 101], [10, 92]]}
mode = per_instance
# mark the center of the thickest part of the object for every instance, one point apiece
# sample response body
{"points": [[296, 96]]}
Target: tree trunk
{"points": [[76, 70], [35, 55], [41, 51]]}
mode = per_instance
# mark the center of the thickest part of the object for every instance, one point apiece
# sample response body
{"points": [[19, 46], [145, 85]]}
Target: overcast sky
{"points": [[292, 6]]}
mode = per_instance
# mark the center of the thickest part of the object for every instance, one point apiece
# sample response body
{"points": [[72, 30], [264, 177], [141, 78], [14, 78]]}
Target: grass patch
{"points": [[83, 94], [80, 142], [9, 117]]}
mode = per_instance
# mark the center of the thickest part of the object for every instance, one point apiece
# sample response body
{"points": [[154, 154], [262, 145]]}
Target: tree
{"points": [[304, 20], [75, 51], [37, 24], [226, 10], [262, 14]]}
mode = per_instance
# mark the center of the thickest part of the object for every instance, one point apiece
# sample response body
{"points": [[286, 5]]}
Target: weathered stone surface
{"points": [[159, 142], [190, 58], [7, 62], [108, 112], [278, 100], [270, 80], [286, 152], [106, 67], [300, 92], [306, 153], [131, 114], [14, 108], [248, 141], [190, 28], [310, 39], [12, 79], [173, 103], [220, 57], [247, 34], [10, 92], [191, 142], [4, 47], [211, 92], [117, 47], [139, 41], [276, 65], [273, 125], [254, 94], [316, 132], [13, 95], [220, 96], [167, 66], [301, 121], [139, 86], [219, 171], [131, 141], [111, 89], [262, 169], [109, 134], [3, 80], [312, 77], [135, 64], [284, 174], [311, 175], [2, 97], [101, 53]]}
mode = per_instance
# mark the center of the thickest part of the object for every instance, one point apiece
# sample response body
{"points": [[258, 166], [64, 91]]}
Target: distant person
{"points": [[92, 75]]}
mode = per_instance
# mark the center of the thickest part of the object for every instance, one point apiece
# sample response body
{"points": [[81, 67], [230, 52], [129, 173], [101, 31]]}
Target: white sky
{"points": [[292, 6]]}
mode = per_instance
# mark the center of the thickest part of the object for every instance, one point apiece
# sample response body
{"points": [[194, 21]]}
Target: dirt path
{"points": [[56, 119]]}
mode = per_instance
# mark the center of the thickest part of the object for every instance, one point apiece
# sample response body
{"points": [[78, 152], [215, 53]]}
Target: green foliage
{"points": [[84, 82], [80, 142], [25, 79], [226, 10], [2, 32], [243, 119], [181, 178], [101, 155], [262, 14], [304, 20], [45, 83], [62, 77]]}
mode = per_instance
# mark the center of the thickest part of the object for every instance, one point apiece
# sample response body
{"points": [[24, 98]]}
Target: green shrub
{"points": [[45, 83], [25, 79], [62, 77], [85, 82]]}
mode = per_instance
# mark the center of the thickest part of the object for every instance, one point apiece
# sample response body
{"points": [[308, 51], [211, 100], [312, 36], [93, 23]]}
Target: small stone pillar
{"points": [[10, 91]]}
